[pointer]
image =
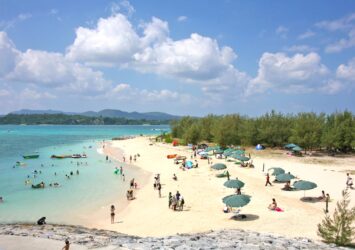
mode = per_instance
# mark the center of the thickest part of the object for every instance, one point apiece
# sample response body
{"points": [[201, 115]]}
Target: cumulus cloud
{"points": [[195, 59], [124, 7], [31, 94], [46, 69], [347, 71], [113, 41], [9, 54], [297, 74]]}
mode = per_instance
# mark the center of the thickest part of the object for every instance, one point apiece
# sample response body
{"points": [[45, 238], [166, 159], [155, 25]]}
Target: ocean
{"points": [[70, 203]]}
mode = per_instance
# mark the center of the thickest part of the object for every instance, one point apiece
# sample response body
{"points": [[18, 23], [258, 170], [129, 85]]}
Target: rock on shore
{"points": [[224, 239]]}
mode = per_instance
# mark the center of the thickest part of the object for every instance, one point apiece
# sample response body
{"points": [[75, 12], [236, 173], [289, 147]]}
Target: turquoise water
{"points": [[75, 198]]}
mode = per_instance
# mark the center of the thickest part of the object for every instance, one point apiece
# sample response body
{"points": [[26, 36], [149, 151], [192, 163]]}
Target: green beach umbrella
{"points": [[235, 200], [243, 158], [284, 177], [219, 166], [277, 171], [304, 185], [234, 184], [218, 151]]}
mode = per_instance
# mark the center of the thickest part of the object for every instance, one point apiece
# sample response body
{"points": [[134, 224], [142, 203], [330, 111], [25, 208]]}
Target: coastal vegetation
{"points": [[334, 132], [339, 228], [64, 119]]}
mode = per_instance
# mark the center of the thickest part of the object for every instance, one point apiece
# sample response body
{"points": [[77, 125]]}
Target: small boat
{"points": [[20, 164], [34, 156], [60, 156], [171, 156]]}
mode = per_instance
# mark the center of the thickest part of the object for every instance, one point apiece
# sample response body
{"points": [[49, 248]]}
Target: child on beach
{"points": [[112, 214], [273, 205]]}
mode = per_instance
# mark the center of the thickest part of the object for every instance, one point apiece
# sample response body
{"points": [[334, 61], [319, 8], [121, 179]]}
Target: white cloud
{"points": [[282, 31], [124, 7], [297, 74], [339, 24], [5, 25], [120, 87], [8, 54], [4, 92], [300, 48], [342, 44], [31, 94], [113, 41], [182, 18], [347, 72], [306, 35], [46, 69]]}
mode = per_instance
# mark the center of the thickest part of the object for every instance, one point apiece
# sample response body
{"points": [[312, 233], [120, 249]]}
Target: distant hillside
{"points": [[111, 113]]}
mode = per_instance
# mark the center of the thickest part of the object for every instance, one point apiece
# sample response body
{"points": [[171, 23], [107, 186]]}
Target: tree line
{"points": [[63, 119], [333, 132]]}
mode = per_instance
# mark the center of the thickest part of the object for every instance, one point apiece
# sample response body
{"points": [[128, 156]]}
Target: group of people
{"points": [[176, 202]]}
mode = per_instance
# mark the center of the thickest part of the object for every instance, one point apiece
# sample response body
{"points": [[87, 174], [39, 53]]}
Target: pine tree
{"points": [[340, 228]]}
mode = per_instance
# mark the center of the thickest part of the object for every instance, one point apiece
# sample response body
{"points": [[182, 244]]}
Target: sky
{"points": [[181, 57]]}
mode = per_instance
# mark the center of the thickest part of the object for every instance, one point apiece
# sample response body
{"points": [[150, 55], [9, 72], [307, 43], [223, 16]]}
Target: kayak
{"points": [[171, 156]]}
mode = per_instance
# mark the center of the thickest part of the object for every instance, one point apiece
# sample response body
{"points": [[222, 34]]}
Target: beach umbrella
{"points": [[203, 153], [304, 185], [234, 184], [218, 151], [219, 166], [276, 171], [235, 200], [243, 158], [284, 177]]}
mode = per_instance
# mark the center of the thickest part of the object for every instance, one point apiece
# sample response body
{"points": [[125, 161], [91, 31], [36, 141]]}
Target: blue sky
{"points": [[181, 57]]}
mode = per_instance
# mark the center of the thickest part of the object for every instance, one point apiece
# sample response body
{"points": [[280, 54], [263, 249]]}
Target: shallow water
{"points": [[75, 198]]}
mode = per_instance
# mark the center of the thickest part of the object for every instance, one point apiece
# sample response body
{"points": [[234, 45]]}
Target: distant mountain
{"points": [[112, 113], [131, 115], [39, 112]]}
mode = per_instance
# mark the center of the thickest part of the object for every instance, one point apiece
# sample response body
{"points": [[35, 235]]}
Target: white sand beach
{"points": [[149, 215]]}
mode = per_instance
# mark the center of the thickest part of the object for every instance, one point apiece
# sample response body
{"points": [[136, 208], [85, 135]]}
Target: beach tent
{"points": [[296, 149], [259, 147]]}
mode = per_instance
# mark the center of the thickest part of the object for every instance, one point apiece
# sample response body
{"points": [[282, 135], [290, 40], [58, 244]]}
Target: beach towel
{"points": [[278, 209]]}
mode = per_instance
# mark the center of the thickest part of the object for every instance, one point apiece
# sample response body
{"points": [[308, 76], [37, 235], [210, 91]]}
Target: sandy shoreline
{"points": [[149, 215]]}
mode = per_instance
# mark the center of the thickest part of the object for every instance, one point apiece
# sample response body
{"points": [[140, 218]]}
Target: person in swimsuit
{"points": [[112, 214], [273, 205]]}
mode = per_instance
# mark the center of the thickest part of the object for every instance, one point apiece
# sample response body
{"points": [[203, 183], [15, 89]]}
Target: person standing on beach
{"points": [[67, 245], [227, 173], [112, 214], [159, 189], [170, 199], [268, 180], [130, 159]]}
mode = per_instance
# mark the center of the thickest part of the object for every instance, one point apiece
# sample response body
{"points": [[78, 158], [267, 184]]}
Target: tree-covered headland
{"points": [[333, 132]]}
